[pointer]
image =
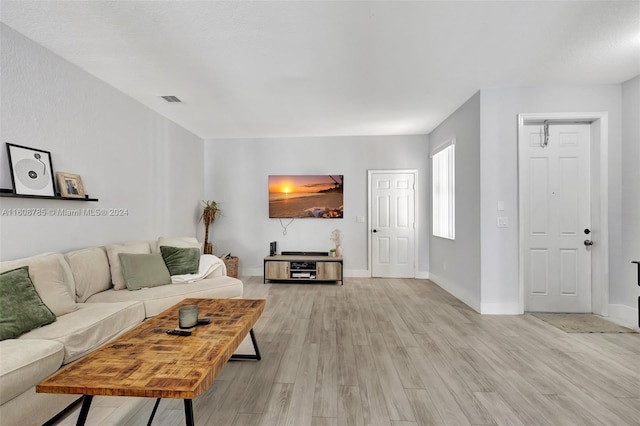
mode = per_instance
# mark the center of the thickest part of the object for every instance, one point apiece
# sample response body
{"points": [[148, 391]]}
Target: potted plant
{"points": [[210, 212]]}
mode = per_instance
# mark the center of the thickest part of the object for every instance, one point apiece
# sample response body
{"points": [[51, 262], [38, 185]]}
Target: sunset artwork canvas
{"points": [[306, 196]]}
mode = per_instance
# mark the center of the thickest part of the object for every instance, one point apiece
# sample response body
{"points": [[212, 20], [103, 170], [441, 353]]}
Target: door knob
{"points": [[375, 230], [588, 243]]}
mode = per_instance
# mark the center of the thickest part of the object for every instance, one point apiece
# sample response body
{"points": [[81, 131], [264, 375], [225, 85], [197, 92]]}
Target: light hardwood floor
{"points": [[404, 352]]}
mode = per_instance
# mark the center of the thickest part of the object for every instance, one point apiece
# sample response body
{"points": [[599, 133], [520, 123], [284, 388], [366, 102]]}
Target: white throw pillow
{"points": [[113, 251], [208, 264], [90, 268], [181, 242]]}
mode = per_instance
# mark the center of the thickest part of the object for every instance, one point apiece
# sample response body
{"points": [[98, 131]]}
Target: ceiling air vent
{"points": [[171, 98]]}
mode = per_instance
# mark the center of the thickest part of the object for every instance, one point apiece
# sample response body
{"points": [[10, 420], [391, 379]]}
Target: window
{"points": [[444, 191]]}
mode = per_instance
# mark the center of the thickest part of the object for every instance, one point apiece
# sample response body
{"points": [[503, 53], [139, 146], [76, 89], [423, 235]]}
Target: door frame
{"points": [[599, 172], [416, 222]]}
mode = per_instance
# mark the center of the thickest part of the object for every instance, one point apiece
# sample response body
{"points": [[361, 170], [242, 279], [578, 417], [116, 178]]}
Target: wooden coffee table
{"points": [[147, 362]]}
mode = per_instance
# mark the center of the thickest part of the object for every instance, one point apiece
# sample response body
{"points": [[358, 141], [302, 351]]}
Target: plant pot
{"points": [[208, 248]]}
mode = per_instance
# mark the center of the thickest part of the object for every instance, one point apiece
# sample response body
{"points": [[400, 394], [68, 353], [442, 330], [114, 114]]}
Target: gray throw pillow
{"points": [[144, 270], [21, 308], [180, 260]]}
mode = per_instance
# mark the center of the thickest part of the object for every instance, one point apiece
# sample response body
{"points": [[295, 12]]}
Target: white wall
{"points": [[461, 257], [236, 174], [627, 292], [128, 156], [499, 180]]}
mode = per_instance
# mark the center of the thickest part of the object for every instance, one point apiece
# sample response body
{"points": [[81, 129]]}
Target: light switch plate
{"points": [[503, 222]]}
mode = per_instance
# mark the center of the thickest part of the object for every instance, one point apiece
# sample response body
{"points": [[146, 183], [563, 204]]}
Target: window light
{"points": [[444, 191]]}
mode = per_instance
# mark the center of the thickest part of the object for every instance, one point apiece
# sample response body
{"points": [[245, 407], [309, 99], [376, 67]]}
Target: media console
{"points": [[305, 267]]}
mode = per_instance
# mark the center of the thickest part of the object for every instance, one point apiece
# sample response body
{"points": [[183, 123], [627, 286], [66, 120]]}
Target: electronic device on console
{"points": [[305, 253], [273, 248], [302, 265]]}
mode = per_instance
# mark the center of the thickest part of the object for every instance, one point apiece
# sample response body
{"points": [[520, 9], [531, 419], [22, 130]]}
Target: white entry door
{"points": [[392, 223], [555, 197]]}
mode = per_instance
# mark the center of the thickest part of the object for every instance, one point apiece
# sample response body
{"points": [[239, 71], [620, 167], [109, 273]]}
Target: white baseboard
{"points": [[257, 272], [500, 309], [251, 272], [624, 315], [357, 273], [461, 294], [480, 307], [365, 273], [353, 273]]}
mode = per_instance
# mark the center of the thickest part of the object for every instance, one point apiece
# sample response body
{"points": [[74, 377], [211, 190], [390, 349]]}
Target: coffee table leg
{"points": [[255, 344], [153, 413], [188, 412], [84, 411], [257, 356]]}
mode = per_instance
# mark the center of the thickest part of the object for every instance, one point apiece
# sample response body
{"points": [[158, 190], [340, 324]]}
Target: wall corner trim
{"points": [[624, 315], [459, 293], [506, 308]]}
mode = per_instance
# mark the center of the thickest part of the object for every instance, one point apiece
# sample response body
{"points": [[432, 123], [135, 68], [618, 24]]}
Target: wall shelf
{"points": [[10, 194]]}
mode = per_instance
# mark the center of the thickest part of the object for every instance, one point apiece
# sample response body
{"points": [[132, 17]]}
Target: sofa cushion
{"points": [[89, 327], [183, 242], [158, 299], [24, 363], [113, 252], [52, 278], [21, 309], [180, 260], [144, 270], [90, 269]]}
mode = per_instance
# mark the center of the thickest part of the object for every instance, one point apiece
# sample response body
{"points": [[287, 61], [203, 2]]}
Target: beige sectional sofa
{"points": [[78, 287]]}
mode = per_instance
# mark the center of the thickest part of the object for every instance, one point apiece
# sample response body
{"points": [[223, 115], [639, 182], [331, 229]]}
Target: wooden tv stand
{"points": [[303, 268]]}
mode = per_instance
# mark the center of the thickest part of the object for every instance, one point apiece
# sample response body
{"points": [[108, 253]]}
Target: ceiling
{"points": [[304, 68]]}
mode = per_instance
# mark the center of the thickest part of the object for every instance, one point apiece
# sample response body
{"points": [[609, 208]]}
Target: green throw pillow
{"points": [[181, 261], [21, 308], [143, 270]]}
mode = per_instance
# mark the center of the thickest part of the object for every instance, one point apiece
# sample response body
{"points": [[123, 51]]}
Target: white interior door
{"points": [[392, 224], [555, 195]]}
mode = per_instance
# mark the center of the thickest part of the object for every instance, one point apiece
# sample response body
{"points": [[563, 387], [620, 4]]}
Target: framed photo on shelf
{"points": [[31, 170], [70, 185]]}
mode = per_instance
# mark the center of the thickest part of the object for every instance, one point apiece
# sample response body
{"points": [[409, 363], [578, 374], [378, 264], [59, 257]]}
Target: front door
{"points": [[555, 194], [392, 223]]}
